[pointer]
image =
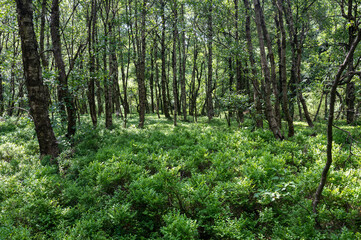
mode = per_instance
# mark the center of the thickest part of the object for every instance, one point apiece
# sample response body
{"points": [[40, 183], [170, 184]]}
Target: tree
{"points": [[92, 19], [270, 114], [283, 68], [174, 60], [38, 94], [163, 56], [330, 121], [210, 110], [65, 98]]}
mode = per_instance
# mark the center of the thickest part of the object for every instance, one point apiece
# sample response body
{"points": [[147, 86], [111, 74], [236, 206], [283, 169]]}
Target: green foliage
{"points": [[194, 181]]}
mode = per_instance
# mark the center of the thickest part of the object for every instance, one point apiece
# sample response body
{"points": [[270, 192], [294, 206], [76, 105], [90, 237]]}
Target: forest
{"points": [[180, 119]]}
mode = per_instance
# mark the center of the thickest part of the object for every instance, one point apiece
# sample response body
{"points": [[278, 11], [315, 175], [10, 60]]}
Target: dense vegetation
{"points": [[181, 119], [194, 181]]}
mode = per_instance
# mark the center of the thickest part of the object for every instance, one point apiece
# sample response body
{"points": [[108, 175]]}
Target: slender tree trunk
{"points": [[156, 82], [11, 104], [240, 84], [350, 102], [1, 93], [183, 63], [210, 110], [164, 80], [151, 79], [1, 81], [125, 83], [193, 97], [44, 60], [38, 93], [107, 80], [91, 82], [296, 49], [65, 98], [350, 86], [333, 91], [141, 67], [174, 62], [300, 94], [272, 120], [283, 70], [271, 57], [113, 72], [256, 89]]}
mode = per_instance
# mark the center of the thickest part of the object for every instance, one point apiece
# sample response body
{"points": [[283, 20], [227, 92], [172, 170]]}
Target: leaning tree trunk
{"points": [[65, 98], [38, 94], [333, 92]]}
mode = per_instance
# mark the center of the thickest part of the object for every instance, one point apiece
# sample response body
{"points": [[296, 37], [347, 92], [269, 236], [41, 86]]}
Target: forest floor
{"points": [[193, 181]]}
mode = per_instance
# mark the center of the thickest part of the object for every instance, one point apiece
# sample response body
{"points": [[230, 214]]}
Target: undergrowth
{"points": [[194, 181]]}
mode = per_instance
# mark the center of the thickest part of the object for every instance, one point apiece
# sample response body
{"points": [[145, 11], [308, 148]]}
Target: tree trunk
{"points": [[151, 79], [164, 80], [65, 98], [38, 94], [338, 76], [296, 49], [156, 82], [350, 102], [141, 67], [107, 80], [256, 89], [44, 60], [114, 72], [283, 70], [174, 62], [271, 57], [272, 120], [240, 86], [183, 63], [210, 110], [91, 82]]}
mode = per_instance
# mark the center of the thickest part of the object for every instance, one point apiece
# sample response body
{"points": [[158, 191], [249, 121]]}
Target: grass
{"points": [[193, 181]]}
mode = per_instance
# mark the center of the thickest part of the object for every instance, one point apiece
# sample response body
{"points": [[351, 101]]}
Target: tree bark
{"points": [[114, 73], [256, 89], [91, 82], [151, 79], [38, 94], [210, 110], [272, 120], [140, 66], [2, 105], [44, 60], [65, 98], [164, 80], [283, 70], [183, 66], [174, 62], [296, 49], [241, 85], [271, 57]]}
